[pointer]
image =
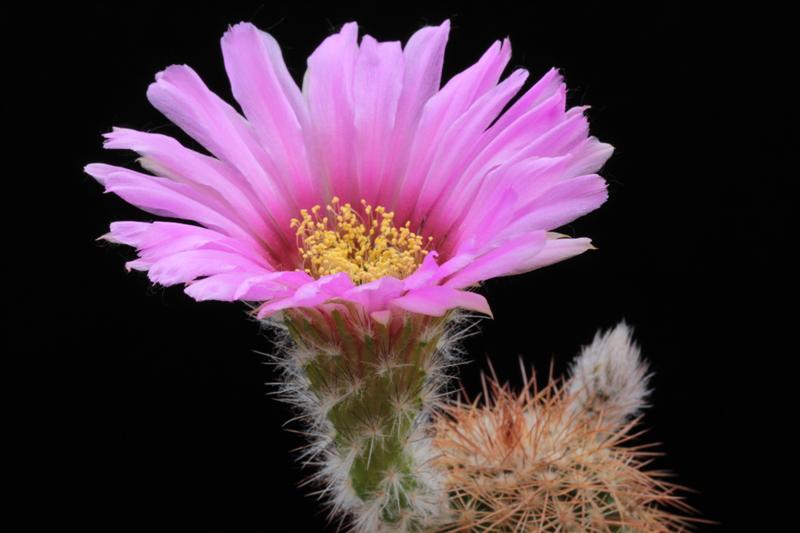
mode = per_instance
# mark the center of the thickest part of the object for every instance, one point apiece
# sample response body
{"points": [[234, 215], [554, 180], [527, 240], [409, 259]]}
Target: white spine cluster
{"points": [[609, 377]]}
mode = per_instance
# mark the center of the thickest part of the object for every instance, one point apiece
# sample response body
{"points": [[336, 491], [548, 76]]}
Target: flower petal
{"points": [[376, 92], [272, 103], [425, 274], [186, 266], [556, 250], [423, 59], [156, 240], [166, 157], [550, 84], [310, 294], [458, 147], [589, 157], [497, 200], [436, 300], [246, 286], [166, 198], [564, 137], [328, 88], [376, 295], [222, 287], [561, 204], [181, 95], [511, 258], [267, 286], [504, 146], [438, 115]]}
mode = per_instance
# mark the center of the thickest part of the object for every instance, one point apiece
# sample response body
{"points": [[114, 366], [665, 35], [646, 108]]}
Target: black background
{"points": [[132, 407]]}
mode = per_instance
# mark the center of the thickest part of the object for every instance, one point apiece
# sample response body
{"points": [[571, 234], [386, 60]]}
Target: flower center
{"points": [[366, 247]]}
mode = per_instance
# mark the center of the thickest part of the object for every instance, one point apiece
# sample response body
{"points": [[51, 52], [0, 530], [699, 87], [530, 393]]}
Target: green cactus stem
{"points": [[371, 383]]}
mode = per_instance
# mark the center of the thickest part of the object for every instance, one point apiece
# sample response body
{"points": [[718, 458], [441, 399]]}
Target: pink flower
{"points": [[373, 140]]}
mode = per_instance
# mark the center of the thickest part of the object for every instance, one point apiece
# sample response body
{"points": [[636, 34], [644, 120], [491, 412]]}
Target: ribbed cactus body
{"points": [[366, 387]]}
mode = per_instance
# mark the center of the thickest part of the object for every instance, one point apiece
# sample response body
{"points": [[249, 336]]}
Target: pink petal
{"points": [[589, 157], [459, 261], [425, 274], [311, 294], [436, 300], [562, 203], [497, 218], [477, 232], [439, 114], [556, 250], [131, 233], [266, 286], [458, 147], [272, 103], [246, 286], [540, 109], [376, 87], [423, 58], [564, 137], [548, 85], [157, 240], [168, 158], [166, 198], [187, 266], [221, 287], [376, 295], [507, 143], [182, 96], [328, 88], [512, 257], [528, 179]]}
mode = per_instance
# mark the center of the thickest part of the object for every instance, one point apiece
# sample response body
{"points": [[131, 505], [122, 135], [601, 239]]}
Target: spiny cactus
{"points": [[365, 390], [542, 460], [555, 459]]}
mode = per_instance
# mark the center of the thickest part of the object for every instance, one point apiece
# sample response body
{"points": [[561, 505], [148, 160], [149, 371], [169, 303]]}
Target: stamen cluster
{"points": [[366, 246]]}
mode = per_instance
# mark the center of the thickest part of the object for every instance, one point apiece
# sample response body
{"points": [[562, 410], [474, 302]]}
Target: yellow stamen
{"points": [[365, 247]]}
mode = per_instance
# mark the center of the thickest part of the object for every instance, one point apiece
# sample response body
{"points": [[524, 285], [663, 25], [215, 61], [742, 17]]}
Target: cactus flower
{"points": [[480, 190], [357, 213]]}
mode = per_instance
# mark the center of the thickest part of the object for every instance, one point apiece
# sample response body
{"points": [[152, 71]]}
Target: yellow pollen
{"points": [[366, 247]]}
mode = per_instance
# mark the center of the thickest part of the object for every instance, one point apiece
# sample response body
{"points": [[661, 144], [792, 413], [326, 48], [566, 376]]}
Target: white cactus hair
{"points": [[330, 464], [609, 376]]}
